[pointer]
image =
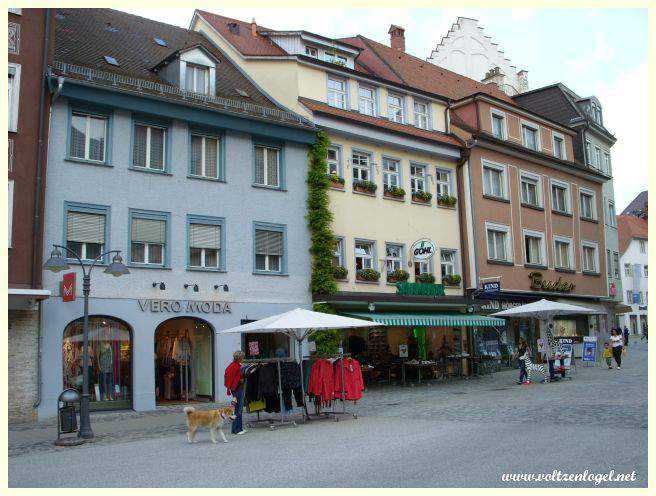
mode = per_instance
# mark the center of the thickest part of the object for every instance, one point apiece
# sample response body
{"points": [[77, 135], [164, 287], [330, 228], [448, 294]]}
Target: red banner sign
{"points": [[68, 287]]}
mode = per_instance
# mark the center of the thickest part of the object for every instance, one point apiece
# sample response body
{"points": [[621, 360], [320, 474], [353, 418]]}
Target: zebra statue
{"points": [[534, 367]]}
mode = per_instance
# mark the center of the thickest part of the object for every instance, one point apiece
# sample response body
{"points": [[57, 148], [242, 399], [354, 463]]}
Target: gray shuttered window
{"points": [[204, 236], [267, 166], [204, 156], [148, 231], [83, 227], [272, 167], [259, 165], [268, 242]]}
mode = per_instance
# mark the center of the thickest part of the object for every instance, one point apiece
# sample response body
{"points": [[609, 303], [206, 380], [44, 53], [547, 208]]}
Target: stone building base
{"points": [[23, 359]]}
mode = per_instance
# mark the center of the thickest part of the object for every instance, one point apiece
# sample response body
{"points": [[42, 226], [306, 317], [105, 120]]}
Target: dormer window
{"points": [[197, 79], [311, 52], [335, 59]]}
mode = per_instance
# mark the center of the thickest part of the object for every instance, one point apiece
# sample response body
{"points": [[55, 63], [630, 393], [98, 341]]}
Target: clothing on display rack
{"points": [[353, 382], [321, 384]]}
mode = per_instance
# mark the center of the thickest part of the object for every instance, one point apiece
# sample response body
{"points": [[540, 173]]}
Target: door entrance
{"points": [[184, 361]]}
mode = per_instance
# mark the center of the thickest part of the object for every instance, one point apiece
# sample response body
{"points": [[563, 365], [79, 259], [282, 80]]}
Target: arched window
{"points": [[110, 361]]}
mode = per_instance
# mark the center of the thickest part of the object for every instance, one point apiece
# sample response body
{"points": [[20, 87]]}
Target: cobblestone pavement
{"points": [[597, 421]]}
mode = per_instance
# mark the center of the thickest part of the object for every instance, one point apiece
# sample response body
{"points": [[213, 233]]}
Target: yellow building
{"points": [[394, 172]]}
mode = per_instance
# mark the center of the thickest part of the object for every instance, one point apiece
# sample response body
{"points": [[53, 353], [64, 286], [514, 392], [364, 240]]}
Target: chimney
{"points": [[253, 27], [397, 38], [495, 76]]}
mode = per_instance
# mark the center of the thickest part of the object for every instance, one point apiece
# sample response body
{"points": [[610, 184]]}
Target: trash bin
{"points": [[68, 404]]}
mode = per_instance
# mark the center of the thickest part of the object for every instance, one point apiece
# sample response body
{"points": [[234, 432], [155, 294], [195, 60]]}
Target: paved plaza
{"points": [[466, 433]]}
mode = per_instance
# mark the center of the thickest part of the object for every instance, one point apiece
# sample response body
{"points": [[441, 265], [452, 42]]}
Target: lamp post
{"points": [[56, 263]]}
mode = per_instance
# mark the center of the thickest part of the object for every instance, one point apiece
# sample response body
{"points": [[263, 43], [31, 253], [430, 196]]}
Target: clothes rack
{"points": [[282, 421], [335, 414]]}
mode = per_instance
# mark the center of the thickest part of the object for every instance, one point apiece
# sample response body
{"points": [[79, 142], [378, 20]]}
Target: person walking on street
{"points": [[234, 383], [522, 352], [626, 336], [608, 356], [616, 342]]}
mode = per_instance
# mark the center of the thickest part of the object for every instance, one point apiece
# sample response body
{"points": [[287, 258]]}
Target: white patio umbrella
{"points": [[544, 309], [299, 324]]}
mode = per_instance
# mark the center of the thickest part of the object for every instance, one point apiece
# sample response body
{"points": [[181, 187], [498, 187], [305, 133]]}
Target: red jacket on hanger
{"points": [[353, 382], [321, 380]]}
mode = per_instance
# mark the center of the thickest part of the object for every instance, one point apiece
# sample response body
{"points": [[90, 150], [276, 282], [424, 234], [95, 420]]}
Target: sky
{"points": [[601, 52]]}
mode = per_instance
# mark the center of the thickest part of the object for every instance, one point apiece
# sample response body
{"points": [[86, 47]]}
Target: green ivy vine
{"points": [[319, 219]]}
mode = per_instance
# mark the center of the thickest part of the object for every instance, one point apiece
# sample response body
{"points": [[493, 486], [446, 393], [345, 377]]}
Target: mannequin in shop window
{"points": [[182, 356], [106, 371]]}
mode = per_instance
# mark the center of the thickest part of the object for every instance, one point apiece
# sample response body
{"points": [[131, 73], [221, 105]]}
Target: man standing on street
{"points": [[626, 336]]}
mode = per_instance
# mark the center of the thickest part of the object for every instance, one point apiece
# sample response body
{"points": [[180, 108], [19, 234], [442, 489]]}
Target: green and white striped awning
{"points": [[430, 319]]}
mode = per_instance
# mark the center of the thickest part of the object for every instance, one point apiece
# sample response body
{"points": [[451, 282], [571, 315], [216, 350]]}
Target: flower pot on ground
{"points": [[367, 275], [425, 278], [339, 272], [336, 181], [394, 192], [365, 187], [398, 275], [422, 196], [447, 201], [451, 280]]}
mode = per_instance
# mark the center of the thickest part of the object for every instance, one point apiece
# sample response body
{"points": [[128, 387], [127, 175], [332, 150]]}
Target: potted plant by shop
{"points": [[370, 275], [365, 187], [451, 280], [447, 200], [339, 272], [425, 278], [421, 196], [336, 181], [399, 275], [394, 192]]}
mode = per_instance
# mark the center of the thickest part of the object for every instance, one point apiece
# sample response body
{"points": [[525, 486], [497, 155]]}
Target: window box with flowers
{"points": [[336, 181], [369, 275], [447, 201], [366, 187], [399, 275], [451, 280], [422, 197], [394, 192], [425, 278], [339, 272]]}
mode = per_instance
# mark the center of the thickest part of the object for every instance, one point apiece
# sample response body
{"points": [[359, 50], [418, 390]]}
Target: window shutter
{"points": [[78, 135], [157, 148], [204, 236], [139, 151], [148, 231], [272, 167], [196, 155], [85, 228], [268, 242], [97, 139], [259, 165], [211, 149]]}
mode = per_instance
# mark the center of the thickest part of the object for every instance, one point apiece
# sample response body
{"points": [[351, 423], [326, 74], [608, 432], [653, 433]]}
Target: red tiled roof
{"points": [[421, 74], [324, 108], [630, 227], [243, 40]]}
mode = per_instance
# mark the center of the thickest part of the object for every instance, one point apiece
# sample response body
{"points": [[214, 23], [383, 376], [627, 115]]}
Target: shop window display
{"points": [[263, 346], [183, 361], [110, 362]]}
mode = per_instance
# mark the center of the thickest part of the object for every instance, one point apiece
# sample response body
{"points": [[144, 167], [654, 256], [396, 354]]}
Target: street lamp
{"points": [[56, 263]]}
